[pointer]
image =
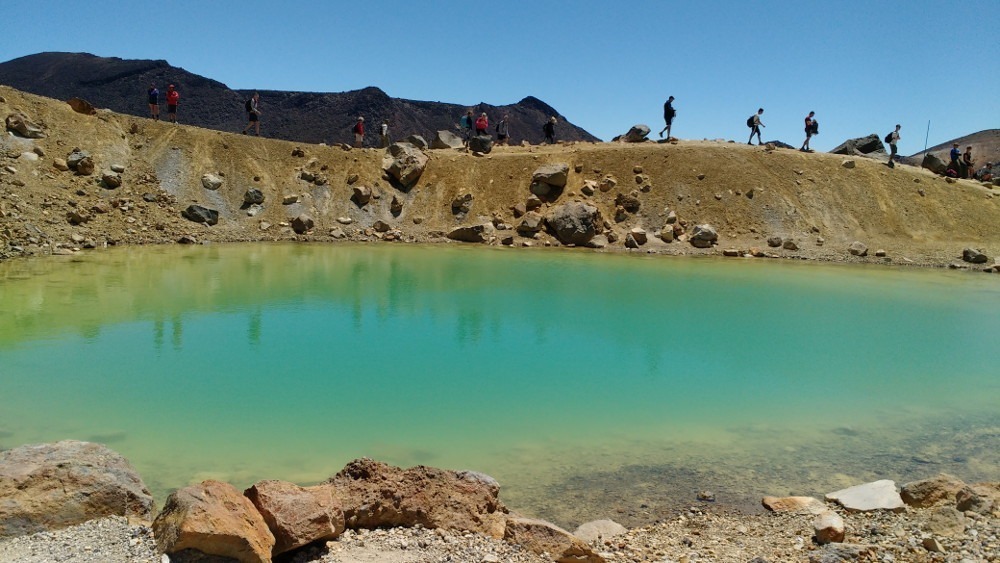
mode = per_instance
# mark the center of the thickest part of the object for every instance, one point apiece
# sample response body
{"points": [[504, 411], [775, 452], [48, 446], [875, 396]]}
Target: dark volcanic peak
{"points": [[121, 84]]}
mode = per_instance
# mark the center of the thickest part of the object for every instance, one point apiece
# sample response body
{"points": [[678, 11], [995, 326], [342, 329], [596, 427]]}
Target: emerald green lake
{"points": [[589, 385]]}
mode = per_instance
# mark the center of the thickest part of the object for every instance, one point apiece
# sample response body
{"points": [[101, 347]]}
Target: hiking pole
{"points": [[927, 136]]}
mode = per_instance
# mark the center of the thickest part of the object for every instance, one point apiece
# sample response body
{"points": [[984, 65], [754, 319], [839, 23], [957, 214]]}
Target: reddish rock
{"points": [[216, 519], [51, 486], [541, 537], [374, 494], [939, 489], [80, 105], [297, 515], [794, 504]]}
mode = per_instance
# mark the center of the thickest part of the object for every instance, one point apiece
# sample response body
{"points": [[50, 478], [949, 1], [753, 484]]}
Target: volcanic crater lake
{"points": [[589, 385]]}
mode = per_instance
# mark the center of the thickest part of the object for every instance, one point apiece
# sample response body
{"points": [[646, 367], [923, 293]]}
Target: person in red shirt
{"points": [[482, 124], [172, 97], [359, 133]]}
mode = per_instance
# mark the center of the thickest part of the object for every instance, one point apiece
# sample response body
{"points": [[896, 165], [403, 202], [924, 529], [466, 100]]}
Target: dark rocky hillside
{"points": [[120, 85]]}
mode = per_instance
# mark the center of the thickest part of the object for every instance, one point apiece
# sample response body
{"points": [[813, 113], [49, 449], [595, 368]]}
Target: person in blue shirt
{"points": [[154, 102]]}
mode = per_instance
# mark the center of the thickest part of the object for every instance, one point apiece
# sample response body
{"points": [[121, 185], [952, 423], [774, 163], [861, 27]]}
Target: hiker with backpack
{"points": [[892, 139], [359, 132], [482, 124], [465, 125], [503, 129], [173, 96], [668, 116], [968, 164], [812, 128], [153, 97], [549, 129], [754, 123], [252, 106]]}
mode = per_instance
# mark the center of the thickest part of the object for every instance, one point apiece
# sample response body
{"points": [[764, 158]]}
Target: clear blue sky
{"points": [[863, 66]]}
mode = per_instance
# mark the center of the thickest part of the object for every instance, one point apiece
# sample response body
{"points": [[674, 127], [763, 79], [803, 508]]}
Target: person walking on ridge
{"points": [[359, 132], [153, 97], [173, 96], [482, 124], [893, 139], [253, 114], [668, 116], [384, 133], [755, 124], [550, 130], [809, 132], [968, 163], [503, 129], [465, 125]]}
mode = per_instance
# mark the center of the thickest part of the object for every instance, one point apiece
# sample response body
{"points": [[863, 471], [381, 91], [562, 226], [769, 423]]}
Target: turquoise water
{"points": [[574, 378]]}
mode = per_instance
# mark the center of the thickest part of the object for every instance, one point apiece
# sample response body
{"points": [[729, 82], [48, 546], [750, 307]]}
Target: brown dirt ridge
{"points": [[748, 194]]}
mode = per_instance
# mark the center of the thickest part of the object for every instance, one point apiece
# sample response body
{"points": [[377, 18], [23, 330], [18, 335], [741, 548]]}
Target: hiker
{"points": [[810, 125], [550, 130], [359, 132], [893, 139], [482, 124], [668, 116], [754, 123], [465, 125], [172, 97], [253, 114], [503, 129], [968, 163], [384, 133], [154, 102]]}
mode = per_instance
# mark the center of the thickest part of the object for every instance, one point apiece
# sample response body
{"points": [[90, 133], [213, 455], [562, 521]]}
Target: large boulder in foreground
{"points": [[374, 494], [861, 146], [297, 515], [574, 222], [877, 495], [200, 214], [446, 140], [541, 537], [933, 163], [481, 144], [703, 236], [51, 486], [405, 163], [216, 519]]}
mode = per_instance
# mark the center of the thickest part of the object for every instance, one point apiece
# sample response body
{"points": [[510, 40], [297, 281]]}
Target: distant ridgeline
{"points": [[120, 85]]}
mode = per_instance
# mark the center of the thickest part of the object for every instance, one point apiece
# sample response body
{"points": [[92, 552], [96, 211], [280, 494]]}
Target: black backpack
{"points": [[750, 121], [888, 138], [249, 105]]}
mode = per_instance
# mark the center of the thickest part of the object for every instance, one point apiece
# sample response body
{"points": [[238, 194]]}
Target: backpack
{"points": [[750, 121], [888, 138], [249, 105], [814, 127], [465, 122]]}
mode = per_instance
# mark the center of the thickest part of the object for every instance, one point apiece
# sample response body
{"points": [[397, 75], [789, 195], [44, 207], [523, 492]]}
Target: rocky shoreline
{"points": [[81, 502]]}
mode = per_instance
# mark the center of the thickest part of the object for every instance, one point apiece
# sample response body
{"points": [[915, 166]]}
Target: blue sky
{"points": [[863, 66]]}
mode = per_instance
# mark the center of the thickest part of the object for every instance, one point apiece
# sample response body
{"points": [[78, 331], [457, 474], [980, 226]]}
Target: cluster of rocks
{"points": [[52, 486]]}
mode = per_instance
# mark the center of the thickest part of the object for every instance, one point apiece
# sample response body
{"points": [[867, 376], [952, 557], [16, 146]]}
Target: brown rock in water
{"points": [[216, 519], [51, 486], [375, 494], [297, 515], [541, 537], [940, 489], [80, 105]]}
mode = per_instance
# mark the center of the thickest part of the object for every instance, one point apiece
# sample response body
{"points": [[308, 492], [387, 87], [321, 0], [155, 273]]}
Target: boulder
{"points": [[574, 222], [636, 134], [80, 105], [111, 180], [703, 236], [981, 498], [374, 494], [933, 163], [540, 189], [381, 226], [848, 163], [828, 528], [200, 214], [362, 195], [74, 158], [60, 164], [85, 167], [858, 248], [531, 223], [290, 199], [481, 143], [471, 233], [51, 486], [789, 244], [774, 242], [667, 234], [877, 495], [405, 163], [302, 224], [446, 140], [629, 202], [211, 181], [860, 146], [638, 234], [542, 537], [296, 515], [590, 532], [20, 124], [461, 204], [215, 519], [796, 505], [253, 196], [396, 206], [974, 256], [418, 141], [940, 489], [554, 175]]}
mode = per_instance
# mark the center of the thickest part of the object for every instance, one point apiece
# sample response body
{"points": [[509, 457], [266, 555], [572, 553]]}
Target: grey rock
{"points": [[20, 124], [774, 242], [848, 163], [418, 141], [302, 224], [362, 195], [531, 223], [933, 163], [396, 206], [254, 209], [472, 233], [405, 163], [211, 181], [200, 214], [111, 180], [877, 495], [462, 204], [860, 146], [381, 226], [253, 196], [540, 188], [446, 140], [789, 244], [858, 248], [703, 236], [481, 144], [74, 158], [574, 222], [639, 235], [290, 199], [117, 168], [551, 174], [974, 256], [637, 133]]}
